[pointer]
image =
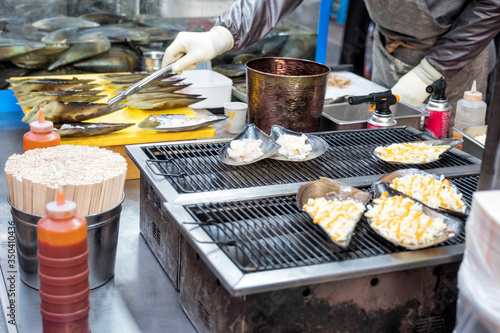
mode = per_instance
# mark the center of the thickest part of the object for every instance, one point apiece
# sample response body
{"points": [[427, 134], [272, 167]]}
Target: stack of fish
{"points": [[67, 103], [159, 95], [91, 43], [106, 42], [71, 103]]}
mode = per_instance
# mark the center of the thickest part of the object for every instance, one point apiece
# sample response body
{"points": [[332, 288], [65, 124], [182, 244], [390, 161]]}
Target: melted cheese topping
{"points": [[403, 220], [337, 217], [410, 152], [431, 191]]}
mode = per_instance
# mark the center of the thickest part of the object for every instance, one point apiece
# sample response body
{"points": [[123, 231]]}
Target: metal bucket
{"points": [[286, 91], [102, 240]]}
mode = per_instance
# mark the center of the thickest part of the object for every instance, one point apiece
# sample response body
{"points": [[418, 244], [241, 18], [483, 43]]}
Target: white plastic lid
{"points": [[61, 208], [42, 125], [205, 78], [473, 94]]}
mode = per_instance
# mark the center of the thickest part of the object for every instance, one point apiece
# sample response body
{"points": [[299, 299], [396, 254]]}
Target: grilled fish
{"points": [[132, 77], [163, 103], [61, 112], [129, 78], [49, 80], [31, 94], [31, 102], [163, 83], [50, 86], [154, 95], [156, 89]]}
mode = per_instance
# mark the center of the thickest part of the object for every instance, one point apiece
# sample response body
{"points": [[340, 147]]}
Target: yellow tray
{"points": [[133, 134], [116, 141]]}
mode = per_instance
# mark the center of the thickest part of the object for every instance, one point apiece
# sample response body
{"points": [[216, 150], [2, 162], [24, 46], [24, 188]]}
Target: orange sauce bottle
{"points": [[63, 268], [41, 134]]}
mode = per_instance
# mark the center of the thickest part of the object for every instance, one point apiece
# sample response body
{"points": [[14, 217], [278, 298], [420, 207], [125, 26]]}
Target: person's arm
{"points": [[251, 20], [471, 32], [244, 23]]}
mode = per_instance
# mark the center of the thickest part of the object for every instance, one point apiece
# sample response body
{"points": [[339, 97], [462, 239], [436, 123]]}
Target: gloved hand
{"points": [[411, 86], [196, 47]]}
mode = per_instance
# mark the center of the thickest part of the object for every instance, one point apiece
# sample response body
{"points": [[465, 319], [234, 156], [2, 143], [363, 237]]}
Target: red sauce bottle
{"points": [[63, 268], [41, 134]]}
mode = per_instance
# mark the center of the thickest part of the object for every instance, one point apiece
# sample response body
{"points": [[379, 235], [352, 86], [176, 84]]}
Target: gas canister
{"points": [[437, 123]]}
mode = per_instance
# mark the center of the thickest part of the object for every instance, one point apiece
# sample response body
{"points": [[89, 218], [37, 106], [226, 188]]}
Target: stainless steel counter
{"points": [[140, 297]]}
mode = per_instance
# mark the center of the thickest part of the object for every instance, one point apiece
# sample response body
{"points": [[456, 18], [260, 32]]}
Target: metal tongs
{"points": [[153, 77]]}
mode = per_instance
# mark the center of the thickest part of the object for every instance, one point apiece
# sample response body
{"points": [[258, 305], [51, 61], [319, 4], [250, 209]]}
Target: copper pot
{"points": [[287, 92]]}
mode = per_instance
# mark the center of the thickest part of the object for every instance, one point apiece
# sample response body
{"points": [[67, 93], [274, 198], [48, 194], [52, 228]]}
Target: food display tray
{"points": [[116, 141], [471, 145]]}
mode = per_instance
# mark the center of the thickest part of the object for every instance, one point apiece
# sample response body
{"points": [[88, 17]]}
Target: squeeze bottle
{"points": [[41, 134], [471, 110], [63, 268]]}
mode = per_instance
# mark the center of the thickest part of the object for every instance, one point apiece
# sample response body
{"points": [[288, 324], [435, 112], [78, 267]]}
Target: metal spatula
{"points": [[153, 77]]}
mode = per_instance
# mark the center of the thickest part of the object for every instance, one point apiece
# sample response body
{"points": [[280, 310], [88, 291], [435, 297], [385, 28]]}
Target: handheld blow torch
{"points": [[380, 106]]}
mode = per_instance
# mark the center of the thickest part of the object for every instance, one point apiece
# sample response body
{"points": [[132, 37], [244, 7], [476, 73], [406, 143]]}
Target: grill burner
{"points": [[274, 233], [192, 168]]}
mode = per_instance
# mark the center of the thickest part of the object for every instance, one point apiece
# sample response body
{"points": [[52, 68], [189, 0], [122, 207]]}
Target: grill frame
{"points": [[425, 301], [210, 282], [239, 283], [169, 193]]}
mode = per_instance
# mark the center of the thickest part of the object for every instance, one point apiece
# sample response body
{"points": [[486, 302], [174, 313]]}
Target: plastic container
{"points": [[66, 322], [41, 134], [215, 87], [102, 242], [11, 113], [63, 255], [237, 116], [59, 286], [471, 110]]}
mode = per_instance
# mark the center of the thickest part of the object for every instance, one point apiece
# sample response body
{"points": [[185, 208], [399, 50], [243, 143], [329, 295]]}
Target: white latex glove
{"points": [[411, 87], [196, 47]]}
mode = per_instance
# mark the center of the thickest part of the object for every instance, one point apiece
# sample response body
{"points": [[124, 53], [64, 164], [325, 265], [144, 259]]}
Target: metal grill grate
{"points": [[273, 233], [195, 167]]}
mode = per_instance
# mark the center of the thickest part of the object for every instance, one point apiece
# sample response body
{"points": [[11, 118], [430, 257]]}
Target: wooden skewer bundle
{"points": [[92, 177]]}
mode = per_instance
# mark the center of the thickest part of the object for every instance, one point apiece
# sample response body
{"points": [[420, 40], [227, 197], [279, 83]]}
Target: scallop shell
{"points": [[319, 146], [454, 225], [89, 129], [444, 142], [400, 173], [331, 189], [153, 122], [269, 147]]}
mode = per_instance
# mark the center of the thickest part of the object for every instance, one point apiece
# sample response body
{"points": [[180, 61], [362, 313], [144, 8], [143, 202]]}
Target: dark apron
{"points": [[417, 23]]}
